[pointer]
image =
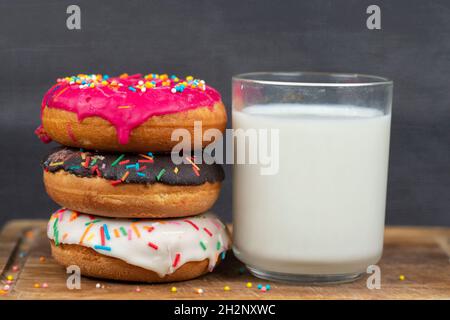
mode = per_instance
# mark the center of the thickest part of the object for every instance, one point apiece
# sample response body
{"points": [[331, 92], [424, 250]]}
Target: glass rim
{"points": [[366, 79]]}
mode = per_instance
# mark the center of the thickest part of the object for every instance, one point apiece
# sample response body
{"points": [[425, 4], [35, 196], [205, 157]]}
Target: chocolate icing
{"points": [[161, 170]]}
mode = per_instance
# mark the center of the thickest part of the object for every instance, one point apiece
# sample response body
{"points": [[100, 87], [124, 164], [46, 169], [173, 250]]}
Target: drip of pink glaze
{"points": [[40, 132], [70, 133], [105, 101]]}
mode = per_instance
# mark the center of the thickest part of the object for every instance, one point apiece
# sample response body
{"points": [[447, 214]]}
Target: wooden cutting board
{"points": [[420, 254]]}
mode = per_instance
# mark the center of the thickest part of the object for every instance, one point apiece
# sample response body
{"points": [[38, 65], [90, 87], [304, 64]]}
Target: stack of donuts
{"points": [[129, 212]]}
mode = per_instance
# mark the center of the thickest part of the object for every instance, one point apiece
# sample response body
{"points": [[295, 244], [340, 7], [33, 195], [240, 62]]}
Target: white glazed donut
{"points": [[140, 249]]}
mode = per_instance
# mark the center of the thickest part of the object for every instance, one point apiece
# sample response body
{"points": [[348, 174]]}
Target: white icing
{"points": [[171, 236]]}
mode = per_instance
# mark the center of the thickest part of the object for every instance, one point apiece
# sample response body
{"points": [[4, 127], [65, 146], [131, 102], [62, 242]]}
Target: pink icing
{"points": [[40, 132], [107, 101]]}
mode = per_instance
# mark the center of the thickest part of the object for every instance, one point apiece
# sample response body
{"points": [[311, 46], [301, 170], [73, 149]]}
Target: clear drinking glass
{"points": [[319, 217]]}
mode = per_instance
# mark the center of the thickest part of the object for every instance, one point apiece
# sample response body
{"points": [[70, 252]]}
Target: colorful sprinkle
{"points": [[160, 174], [136, 230], [152, 245], [145, 161], [202, 244], [117, 160], [92, 222], [125, 176], [197, 173], [150, 159], [192, 224], [94, 168], [102, 236], [59, 93], [249, 285], [401, 277], [173, 289], [105, 248], [74, 216], [133, 166], [86, 162], [176, 260], [143, 167], [56, 163], [116, 182], [192, 163], [208, 232], [226, 288], [56, 232], [85, 233], [105, 229]]}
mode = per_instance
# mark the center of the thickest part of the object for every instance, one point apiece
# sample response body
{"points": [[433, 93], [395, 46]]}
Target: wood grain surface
{"points": [[420, 254]]}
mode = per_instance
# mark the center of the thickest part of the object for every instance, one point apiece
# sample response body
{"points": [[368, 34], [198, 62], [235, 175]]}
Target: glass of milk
{"points": [[318, 216]]}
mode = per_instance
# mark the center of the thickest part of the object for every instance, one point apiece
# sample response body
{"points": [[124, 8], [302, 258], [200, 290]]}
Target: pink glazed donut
{"points": [[127, 113]]}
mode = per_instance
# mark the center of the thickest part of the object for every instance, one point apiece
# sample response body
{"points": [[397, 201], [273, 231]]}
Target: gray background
{"points": [[215, 39]]}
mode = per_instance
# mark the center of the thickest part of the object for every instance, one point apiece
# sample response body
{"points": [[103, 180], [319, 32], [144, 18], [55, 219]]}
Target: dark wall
{"points": [[213, 40]]}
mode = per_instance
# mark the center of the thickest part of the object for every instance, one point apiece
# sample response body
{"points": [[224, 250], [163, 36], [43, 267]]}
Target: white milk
{"points": [[323, 213]]}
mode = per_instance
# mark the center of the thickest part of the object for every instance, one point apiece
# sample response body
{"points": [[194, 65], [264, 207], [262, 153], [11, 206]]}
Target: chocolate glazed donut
{"points": [[130, 185]]}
